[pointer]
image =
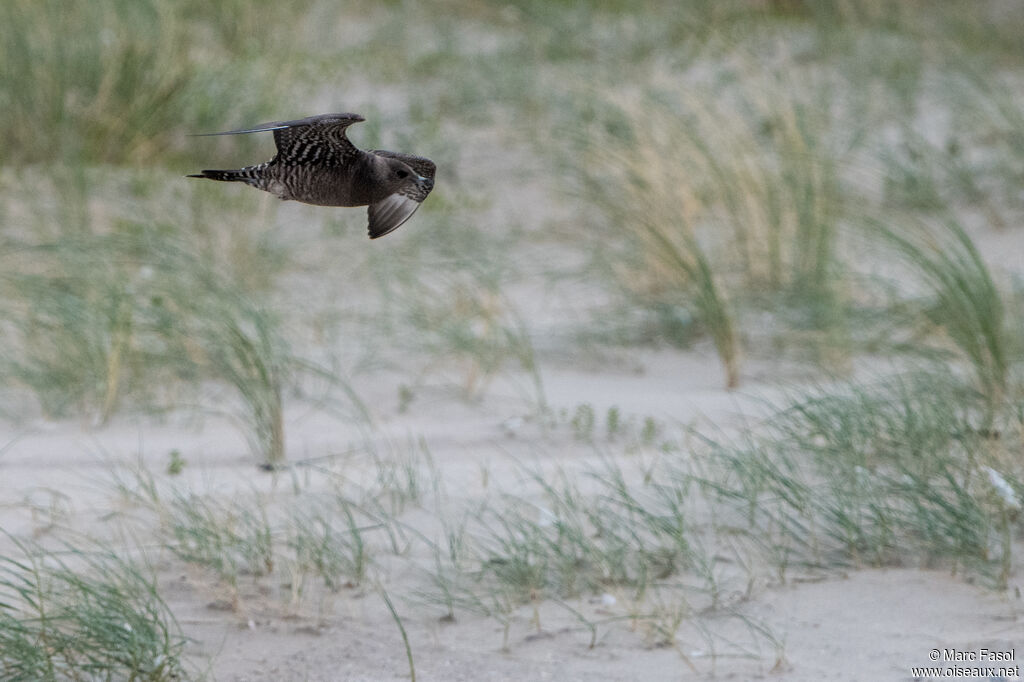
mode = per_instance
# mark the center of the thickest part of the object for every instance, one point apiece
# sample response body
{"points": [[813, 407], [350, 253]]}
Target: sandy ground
{"points": [[865, 625], [861, 625]]}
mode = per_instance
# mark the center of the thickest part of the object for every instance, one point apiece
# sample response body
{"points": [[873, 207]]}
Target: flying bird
{"points": [[316, 164]]}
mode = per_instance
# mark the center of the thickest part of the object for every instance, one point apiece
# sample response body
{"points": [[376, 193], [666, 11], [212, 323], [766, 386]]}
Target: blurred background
{"points": [[718, 198], [750, 173]]}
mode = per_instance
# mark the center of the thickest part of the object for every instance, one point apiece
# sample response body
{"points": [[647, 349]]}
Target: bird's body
{"points": [[316, 164]]}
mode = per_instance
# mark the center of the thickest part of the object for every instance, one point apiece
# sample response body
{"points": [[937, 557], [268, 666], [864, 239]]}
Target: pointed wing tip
{"points": [[346, 119], [382, 231], [281, 125], [258, 129]]}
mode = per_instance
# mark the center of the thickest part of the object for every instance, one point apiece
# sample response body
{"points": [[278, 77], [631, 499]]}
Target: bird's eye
{"points": [[402, 174]]}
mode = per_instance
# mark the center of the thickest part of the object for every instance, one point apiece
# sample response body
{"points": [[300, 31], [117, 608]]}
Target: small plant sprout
{"points": [[176, 463]]}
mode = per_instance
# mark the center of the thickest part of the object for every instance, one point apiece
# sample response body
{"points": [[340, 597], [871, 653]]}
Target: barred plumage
{"points": [[317, 164]]}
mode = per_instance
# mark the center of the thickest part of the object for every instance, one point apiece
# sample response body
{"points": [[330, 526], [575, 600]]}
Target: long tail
{"points": [[249, 175]]}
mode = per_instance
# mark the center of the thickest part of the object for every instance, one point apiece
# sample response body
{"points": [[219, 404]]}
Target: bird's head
{"points": [[401, 174]]}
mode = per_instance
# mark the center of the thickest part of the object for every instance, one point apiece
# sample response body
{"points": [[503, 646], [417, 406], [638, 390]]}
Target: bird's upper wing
{"points": [[388, 214], [311, 140]]}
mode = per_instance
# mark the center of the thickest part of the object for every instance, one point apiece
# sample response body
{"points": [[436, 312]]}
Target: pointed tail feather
{"points": [[243, 175]]}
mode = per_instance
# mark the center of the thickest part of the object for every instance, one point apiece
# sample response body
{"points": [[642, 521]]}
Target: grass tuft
{"points": [[77, 615], [885, 474], [967, 304]]}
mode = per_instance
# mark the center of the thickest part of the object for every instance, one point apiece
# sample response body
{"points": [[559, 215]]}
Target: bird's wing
{"points": [[388, 214], [311, 140]]}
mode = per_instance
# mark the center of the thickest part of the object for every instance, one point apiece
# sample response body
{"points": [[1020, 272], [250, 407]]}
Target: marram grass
{"points": [[83, 616]]}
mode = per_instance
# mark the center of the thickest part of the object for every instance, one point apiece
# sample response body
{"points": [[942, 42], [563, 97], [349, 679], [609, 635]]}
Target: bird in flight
{"points": [[316, 164]]}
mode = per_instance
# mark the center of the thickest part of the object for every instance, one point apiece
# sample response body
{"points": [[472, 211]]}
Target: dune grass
{"points": [[566, 537], [715, 202], [232, 539], [653, 208], [723, 177], [101, 317], [135, 76], [966, 302], [103, 312], [112, 94], [891, 473], [84, 615], [912, 469], [317, 536]]}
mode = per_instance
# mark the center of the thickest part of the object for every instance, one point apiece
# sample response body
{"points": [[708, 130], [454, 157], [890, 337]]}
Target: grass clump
{"points": [[139, 313], [245, 348], [104, 80], [119, 81], [621, 536], [79, 615], [89, 333], [966, 303], [884, 474], [327, 542], [72, 319], [326, 537], [231, 539], [651, 204], [719, 198]]}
